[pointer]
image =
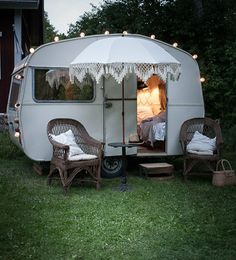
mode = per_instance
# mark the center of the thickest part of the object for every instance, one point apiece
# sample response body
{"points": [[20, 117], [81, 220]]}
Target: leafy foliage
{"points": [[50, 31], [8, 149]]}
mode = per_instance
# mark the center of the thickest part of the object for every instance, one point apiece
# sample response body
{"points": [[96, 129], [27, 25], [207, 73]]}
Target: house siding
{"points": [[6, 54]]}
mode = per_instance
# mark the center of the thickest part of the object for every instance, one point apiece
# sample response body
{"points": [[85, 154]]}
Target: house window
{"points": [[55, 85]]}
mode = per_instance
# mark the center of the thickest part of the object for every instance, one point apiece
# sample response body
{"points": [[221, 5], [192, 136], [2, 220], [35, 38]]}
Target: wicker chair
{"points": [[69, 169], [207, 127]]}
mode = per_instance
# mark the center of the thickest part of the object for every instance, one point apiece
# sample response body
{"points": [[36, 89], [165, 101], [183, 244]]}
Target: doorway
{"points": [[151, 115]]}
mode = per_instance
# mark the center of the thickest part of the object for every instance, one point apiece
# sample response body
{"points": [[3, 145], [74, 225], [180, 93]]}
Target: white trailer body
{"points": [[101, 115]]}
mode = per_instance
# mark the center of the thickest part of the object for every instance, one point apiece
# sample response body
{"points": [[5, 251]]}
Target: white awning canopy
{"points": [[120, 55]]}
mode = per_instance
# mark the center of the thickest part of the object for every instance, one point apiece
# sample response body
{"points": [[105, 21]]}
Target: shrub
{"points": [[229, 137], [8, 149]]}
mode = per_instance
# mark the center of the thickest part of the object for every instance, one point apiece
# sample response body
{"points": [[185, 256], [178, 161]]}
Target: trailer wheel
{"points": [[111, 167]]}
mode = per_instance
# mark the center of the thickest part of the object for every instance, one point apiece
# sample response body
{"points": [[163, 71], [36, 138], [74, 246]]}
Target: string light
{"points": [[175, 44], [202, 79], [17, 134], [195, 56], [153, 36], [56, 39], [31, 50], [106, 32], [82, 34], [19, 76]]}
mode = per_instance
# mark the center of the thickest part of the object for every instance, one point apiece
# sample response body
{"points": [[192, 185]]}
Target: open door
{"points": [[151, 116], [113, 121]]}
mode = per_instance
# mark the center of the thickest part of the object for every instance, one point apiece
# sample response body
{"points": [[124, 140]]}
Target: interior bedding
{"points": [[153, 129], [144, 112]]}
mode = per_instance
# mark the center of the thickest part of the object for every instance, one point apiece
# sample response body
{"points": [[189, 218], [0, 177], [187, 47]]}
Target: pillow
{"points": [[68, 138], [143, 113], [202, 143]]}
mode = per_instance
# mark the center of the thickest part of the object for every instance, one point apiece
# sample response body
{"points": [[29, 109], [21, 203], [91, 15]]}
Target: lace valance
{"points": [[119, 70]]}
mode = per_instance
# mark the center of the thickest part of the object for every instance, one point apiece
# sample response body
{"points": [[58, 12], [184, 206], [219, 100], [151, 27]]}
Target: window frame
{"points": [[34, 68], [14, 80]]}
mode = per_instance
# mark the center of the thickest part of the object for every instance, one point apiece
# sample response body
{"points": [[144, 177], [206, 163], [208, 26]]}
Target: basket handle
{"points": [[222, 163]]}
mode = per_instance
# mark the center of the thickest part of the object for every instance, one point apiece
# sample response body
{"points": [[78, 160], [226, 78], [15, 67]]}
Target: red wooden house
{"points": [[21, 27]]}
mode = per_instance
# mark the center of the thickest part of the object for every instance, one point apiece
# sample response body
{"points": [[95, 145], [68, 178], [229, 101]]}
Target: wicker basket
{"points": [[224, 174]]}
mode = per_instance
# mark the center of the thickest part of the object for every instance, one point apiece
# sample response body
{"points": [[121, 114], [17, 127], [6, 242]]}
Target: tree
{"points": [[50, 31]]}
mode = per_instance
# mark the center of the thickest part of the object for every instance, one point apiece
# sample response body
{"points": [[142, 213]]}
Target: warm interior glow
{"points": [[151, 100]]}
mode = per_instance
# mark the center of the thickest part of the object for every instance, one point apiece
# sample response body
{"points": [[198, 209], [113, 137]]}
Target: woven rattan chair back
{"points": [[66, 168], [207, 127]]}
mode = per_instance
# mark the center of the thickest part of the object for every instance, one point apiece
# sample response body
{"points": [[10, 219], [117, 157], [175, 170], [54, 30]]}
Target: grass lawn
{"points": [[155, 220]]}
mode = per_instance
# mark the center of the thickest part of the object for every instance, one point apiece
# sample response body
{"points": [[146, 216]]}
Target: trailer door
{"points": [[113, 113]]}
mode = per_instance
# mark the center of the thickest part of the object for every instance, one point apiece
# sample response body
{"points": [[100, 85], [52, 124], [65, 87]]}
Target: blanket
{"points": [[153, 129]]}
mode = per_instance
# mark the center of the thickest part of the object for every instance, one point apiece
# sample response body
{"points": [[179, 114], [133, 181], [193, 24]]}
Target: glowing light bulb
{"points": [[31, 50], [195, 56], [17, 134], [175, 44], [82, 34], [202, 79], [56, 39], [106, 32], [18, 76]]}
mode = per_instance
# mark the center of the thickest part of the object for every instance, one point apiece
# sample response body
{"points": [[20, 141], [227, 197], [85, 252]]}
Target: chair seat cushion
{"points": [[201, 143], [209, 152], [80, 157]]}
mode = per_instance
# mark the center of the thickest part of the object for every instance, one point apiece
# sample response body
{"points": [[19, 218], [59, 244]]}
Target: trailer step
{"points": [[160, 171]]}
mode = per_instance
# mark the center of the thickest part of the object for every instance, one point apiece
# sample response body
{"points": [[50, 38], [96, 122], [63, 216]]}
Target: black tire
{"points": [[111, 167]]}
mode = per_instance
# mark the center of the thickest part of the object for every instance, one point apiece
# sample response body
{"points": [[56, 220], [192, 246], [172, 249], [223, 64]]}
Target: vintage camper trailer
{"points": [[154, 110]]}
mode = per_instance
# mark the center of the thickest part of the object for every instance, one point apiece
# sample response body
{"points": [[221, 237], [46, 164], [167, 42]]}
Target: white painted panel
{"points": [[34, 119], [113, 115], [176, 116]]}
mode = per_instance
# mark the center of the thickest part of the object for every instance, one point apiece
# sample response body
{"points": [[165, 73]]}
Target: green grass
{"points": [[154, 220]]}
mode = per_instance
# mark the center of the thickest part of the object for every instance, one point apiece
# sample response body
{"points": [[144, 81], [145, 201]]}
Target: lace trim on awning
{"points": [[119, 71]]}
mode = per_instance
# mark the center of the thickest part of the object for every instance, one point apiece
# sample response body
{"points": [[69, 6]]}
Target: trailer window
{"points": [[55, 85], [15, 90]]}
